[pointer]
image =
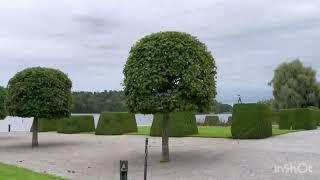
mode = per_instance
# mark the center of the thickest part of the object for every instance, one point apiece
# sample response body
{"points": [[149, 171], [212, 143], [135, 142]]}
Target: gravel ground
{"points": [[86, 156]]}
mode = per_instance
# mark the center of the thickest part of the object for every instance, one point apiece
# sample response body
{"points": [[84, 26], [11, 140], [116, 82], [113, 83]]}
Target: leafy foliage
{"points": [[96, 102], [113, 123], [39, 92], [76, 124], [251, 121], [169, 71], [181, 124], [295, 86], [3, 103]]}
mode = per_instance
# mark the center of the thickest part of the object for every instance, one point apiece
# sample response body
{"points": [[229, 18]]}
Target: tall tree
{"points": [[166, 72], [295, 85], [39, 93], [3, 101]]}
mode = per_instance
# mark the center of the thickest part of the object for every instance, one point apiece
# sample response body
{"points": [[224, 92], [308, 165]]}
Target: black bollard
{"points": [[123, 170], [9, 128], [146, 159]]}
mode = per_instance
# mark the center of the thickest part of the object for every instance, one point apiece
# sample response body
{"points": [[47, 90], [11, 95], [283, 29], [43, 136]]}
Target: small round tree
{"points": [[3, 101], [166, 72], [39, 93]]}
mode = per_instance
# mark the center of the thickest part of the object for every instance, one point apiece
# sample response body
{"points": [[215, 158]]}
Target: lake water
{"points": [[24, 124]]}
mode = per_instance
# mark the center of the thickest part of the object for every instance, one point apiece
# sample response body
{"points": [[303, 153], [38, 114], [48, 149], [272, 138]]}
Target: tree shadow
{"points": [[192, 157], [42, 145]]}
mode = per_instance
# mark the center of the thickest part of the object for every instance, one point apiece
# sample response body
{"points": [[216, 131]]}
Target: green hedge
{"points": [[114, 123], [305, 118], [46, 125], [286, 118], [318, 117], [299, 118], [317, 113], [180, 124], [211, 120], [76, 124], [251, 121]]}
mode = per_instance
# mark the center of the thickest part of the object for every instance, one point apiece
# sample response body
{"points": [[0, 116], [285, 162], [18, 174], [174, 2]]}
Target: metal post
{"points": [[146, 159], [9, 128], [123, 170]]}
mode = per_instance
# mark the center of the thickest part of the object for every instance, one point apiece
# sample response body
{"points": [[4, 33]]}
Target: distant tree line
{"points": [[219, 107], [96, 102]]}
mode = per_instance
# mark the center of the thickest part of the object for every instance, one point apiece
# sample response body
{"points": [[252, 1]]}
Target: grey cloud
{"points": [[90, 40], [95, 24]]}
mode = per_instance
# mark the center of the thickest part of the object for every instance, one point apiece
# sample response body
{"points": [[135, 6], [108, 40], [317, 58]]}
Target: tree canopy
{"points": [[295, 85], [169, 71], [39, 92], [3, 103], [166, 72]]}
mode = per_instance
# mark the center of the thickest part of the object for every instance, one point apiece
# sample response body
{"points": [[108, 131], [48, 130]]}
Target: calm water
{"points": [[24, 124]]}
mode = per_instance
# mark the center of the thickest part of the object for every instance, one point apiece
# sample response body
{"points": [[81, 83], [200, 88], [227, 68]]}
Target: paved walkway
{"points": [[86, 156]]}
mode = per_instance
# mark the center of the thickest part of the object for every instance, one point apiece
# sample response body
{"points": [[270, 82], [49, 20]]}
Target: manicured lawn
{"points": [[10, 172], [213, 131]]}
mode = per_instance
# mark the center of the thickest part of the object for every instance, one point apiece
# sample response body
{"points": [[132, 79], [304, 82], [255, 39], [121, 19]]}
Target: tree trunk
{"points": [[165, 137], [35, 132]]}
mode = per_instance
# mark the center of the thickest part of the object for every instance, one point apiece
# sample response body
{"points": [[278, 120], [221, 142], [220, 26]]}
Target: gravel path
{"points": [[86, 156]]}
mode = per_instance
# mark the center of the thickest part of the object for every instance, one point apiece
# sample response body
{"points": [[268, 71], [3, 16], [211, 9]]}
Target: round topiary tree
{"points": [[166, 72], [39, 93], [3, 101]]}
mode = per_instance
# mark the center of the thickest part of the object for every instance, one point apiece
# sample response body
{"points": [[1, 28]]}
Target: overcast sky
{"points": [[90, 40]]}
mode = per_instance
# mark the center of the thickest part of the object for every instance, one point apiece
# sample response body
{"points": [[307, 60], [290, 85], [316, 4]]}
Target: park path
{"points": [[86, 156]]}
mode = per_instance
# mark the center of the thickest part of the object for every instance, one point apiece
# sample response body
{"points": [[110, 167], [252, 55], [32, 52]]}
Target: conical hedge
{"points": [[113, 123]]}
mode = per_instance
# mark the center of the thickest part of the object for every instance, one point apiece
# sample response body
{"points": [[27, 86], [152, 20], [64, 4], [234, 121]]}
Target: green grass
{"points": [[213, 131], [10, 172]]}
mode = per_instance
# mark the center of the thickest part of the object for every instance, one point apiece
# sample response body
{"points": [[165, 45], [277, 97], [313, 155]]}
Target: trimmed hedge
{"points": [[211, 120], [305, 118], [287, 116], [251, 121], [180, 124], [76, 124], [115, 123], [317, 113], [318, 117], [46, 125], [300, 118]]}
